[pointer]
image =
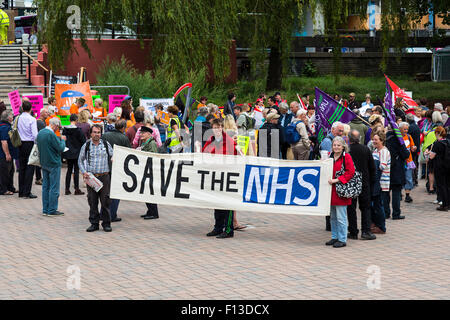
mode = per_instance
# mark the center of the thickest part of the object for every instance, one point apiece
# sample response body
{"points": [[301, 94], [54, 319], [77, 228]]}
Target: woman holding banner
{"points": [[338, 215]]}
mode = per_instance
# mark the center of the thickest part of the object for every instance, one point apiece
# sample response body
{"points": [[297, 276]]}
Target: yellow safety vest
{"points": [[4, 19], [171, 133]]}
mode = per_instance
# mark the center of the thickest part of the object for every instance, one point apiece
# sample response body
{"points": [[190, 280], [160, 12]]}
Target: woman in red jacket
{"points": [[221, 143], [338, 214]]}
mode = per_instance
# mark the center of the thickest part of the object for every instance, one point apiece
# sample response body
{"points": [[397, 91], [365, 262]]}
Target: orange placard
{"points": [[67, 94], [164, 117]]}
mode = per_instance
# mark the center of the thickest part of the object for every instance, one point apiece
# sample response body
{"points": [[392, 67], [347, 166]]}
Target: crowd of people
{"points": [[272, 128]]}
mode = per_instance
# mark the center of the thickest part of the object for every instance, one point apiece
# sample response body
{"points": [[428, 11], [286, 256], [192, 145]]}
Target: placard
{"points": [[16, 102], [163, 117], [114, 101], [149, 104], [67, 94], [243, 142], [37, 102]]}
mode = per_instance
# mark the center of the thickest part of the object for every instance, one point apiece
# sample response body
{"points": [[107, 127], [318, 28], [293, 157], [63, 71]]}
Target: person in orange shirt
{"points": [[77, 106], [52, 110], [99, 113], [202, 102]]}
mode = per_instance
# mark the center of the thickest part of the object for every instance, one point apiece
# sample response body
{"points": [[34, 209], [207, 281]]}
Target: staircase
{"points": [[10, 71]]}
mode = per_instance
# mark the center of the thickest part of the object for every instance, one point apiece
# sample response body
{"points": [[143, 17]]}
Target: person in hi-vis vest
{"points": [[4, 25]]}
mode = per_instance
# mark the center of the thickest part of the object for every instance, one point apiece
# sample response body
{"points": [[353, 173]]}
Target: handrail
{"points": [[34, 60]]}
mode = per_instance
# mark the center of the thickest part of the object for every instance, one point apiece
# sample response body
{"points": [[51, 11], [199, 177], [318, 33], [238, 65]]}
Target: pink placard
{"points": [[37, 102], [115, 100], [16, 102]]}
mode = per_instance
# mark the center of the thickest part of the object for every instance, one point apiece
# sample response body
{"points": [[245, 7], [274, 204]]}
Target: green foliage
{"points": [[309, 69]]}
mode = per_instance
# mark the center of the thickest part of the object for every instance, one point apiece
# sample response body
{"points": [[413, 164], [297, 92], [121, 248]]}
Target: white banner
{"points": [[149, 104], [211, 181]]}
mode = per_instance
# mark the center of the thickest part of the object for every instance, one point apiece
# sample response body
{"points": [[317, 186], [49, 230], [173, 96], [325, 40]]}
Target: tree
{"points": [[187, 34]]}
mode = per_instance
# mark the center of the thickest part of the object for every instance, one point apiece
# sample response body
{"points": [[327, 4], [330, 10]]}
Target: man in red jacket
{"points": [[221, 143]]}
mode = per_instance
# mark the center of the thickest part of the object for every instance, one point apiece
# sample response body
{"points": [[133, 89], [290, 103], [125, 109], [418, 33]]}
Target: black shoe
{"points": [[387, 218], [339, 244], [149, 217], [116, 220], [54, 214], [331, 242], [30, 196], [224, 235], [68, 192], [368, 236], [352, 236], [432, 192], [442, 208], [107, 229], [213, 233], [144, 215], [398, 218], [408, 199], [93, 227]]}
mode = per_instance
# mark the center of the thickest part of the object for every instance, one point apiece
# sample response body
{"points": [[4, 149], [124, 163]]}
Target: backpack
{"points": [[291, 134], [446, 160], [87, 154], [249, 122], [14, 135]]}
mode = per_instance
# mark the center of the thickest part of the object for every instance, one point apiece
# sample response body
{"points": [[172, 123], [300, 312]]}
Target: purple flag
{"points": [[328, 111], [447, 124]]}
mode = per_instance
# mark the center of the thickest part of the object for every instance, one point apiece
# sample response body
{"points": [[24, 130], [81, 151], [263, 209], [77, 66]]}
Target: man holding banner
{"points": [[221, 143]]}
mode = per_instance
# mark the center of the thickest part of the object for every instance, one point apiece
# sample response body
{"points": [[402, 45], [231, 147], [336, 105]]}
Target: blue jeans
{"points": [[50, 189], [409, 185], [339, 223], [378, 216], [113, 208]]}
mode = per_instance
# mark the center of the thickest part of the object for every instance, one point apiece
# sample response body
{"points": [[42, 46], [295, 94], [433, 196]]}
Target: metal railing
{"points": [[29, 58]]}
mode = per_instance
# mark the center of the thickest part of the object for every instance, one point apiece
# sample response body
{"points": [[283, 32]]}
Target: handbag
{"points": [[33, 159], [14, 135], [352, 188]]}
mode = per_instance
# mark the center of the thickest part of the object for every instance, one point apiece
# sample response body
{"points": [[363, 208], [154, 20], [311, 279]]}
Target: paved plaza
{"points": [[278, 257]]}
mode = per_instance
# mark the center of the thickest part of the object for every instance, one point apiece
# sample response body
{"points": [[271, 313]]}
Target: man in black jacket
{"points": [[399, 154], [201, 130], [270, 137], [228, 107], [363, 160], [414, 132]]}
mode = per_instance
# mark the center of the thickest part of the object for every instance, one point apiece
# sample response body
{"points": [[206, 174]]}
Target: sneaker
{"points": [[331, 242], [339, 244], [55, 214], [368, 236], [435, 201], [408, 199]]}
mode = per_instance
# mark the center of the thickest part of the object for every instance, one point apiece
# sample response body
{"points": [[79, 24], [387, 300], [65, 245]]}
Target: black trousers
{"points": [[6, 176], [105, 201], [442, 178], [72, 165], [38, 173], [152, 209], [415, 157], [26, 172], [284, 148], [224, 221], [364, 206]]}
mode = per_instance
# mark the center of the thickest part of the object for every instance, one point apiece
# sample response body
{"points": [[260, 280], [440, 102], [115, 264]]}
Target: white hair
{"points": [[436, 117], [118, 111], [283, 105], [300, 112], [336, 124], [98, 102], [52, 110], [438, 106], [403, 124], [341, 141], [112, 117], [54, 121]]}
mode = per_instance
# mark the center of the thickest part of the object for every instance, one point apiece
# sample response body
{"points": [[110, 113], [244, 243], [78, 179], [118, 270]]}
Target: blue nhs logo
{"points": [[282, 185]]}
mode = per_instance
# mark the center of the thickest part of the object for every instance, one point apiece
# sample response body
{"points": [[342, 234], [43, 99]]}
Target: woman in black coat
{"points": [[399, 154], [74, 142]]}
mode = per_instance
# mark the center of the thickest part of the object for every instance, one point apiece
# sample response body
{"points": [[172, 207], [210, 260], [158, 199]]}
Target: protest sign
{"points": [[67, 94], [65, 120], [164, 117], [95, 97], [37, 102], [149, 104], [56, 79], [114, 101], [243, 142], [16, 102], [213, 181]]}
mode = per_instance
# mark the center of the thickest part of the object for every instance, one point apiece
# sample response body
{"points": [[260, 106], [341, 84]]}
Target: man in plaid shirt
{"points": [[95, 157]]}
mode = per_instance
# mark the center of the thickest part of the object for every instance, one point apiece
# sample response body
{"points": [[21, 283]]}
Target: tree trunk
{"points": [[275, 73]]}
